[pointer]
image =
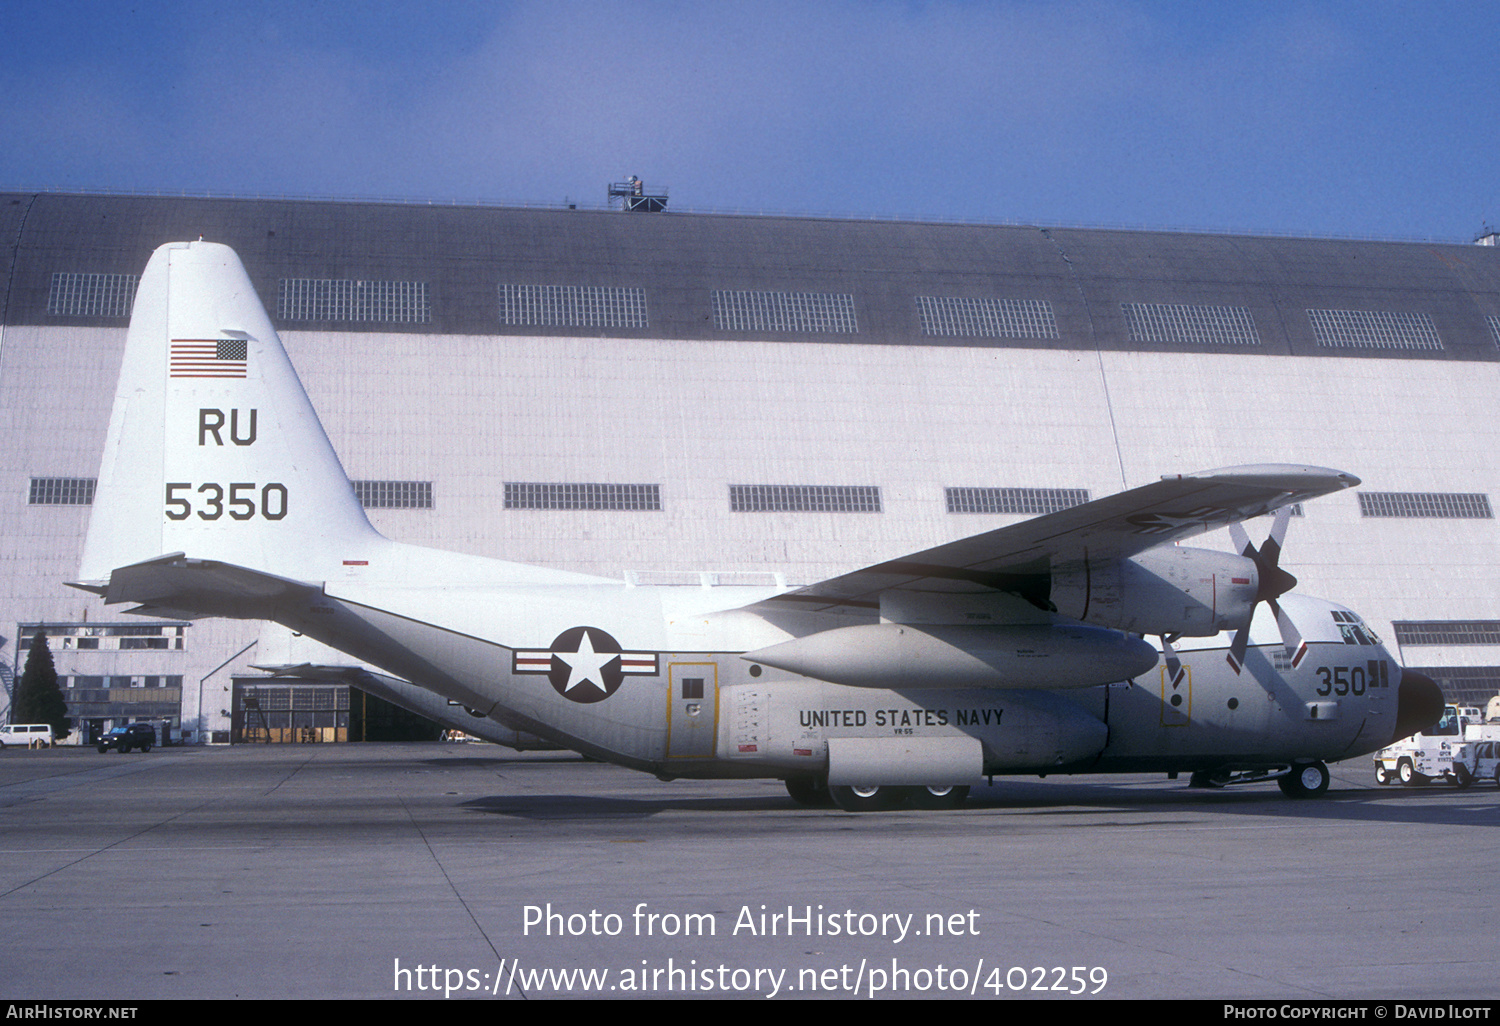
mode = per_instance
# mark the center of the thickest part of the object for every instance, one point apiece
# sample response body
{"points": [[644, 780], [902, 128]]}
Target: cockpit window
{"points": [[1353, 630]]}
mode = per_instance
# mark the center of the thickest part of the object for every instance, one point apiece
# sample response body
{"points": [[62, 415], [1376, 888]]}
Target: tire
{"points": [[1307, 780], [809, 791], [866, 798], [1405, 773], [102, 748], [1382, 775], [145, 749], [1461, 775], [939, 797], [123, 749], [1497, 776]]}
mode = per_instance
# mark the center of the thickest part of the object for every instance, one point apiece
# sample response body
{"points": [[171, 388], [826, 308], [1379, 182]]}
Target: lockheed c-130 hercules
{"points": [[1023, 650]]}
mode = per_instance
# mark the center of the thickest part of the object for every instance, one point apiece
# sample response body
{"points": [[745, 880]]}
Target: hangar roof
{"points": [[362, 266]]}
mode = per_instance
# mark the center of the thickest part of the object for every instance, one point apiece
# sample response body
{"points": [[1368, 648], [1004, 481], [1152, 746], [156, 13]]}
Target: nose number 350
{"points": [[1341, 680]]}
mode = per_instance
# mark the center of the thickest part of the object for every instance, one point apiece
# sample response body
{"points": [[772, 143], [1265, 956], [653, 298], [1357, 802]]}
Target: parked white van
{"points": [[24, 735]]}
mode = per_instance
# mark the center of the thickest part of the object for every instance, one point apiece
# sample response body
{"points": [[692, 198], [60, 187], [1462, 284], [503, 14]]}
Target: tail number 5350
{"points": [[242, 500]]}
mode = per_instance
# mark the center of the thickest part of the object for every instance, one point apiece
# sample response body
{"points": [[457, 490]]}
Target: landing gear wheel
{"points": [[1306, 780], [939, 797], [862, 798], [809, 791], [1382, 775]]}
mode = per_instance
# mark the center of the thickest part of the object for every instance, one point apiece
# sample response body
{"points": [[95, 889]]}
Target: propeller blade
{"points": [[1241, 540], [1272, 578], [1169, 654], [1237, 647], [1290, 636], [1278, 533]]}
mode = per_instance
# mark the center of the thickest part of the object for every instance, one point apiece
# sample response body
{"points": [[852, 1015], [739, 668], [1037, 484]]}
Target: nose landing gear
{"points": [[1305, 780]]}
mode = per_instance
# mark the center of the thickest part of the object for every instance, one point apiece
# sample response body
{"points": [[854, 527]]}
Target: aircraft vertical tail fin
{"points": [[214, 449]]}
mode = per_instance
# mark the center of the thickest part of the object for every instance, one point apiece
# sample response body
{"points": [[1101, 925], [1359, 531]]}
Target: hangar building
{"points": [[718, 398]]}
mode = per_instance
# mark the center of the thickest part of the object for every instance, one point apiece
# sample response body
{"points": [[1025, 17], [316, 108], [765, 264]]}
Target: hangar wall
{"points": [[460, 353]]}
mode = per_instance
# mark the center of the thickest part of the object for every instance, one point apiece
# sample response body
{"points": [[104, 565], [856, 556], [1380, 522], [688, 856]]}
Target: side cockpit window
{"points": [[1353, 630]]}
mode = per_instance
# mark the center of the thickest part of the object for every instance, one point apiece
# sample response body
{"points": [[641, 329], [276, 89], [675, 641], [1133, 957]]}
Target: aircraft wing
{"points": [[1019, 558]]}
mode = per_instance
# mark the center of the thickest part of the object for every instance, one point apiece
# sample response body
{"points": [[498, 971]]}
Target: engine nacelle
{"points": [[1167, 590], [893, 655]]}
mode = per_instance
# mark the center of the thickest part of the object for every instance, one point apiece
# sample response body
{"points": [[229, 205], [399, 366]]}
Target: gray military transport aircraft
{"points": [[1022, 650]]}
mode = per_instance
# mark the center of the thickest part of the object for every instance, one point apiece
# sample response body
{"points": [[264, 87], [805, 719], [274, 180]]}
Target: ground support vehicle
{"points": [[1446, 751]]}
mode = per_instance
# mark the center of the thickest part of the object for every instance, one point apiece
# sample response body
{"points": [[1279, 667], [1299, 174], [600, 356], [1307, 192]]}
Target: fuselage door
{"points": [[692, 710]]}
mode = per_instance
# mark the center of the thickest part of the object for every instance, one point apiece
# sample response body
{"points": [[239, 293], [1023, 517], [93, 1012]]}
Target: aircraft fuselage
{"points": [[619, 689]]}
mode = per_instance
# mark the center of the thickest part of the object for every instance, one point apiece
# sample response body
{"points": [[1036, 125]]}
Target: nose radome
{"points": [[1419, 704]]}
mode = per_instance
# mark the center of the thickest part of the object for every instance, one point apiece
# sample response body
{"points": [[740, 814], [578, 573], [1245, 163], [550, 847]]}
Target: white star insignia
{"points": [[586, 664]]}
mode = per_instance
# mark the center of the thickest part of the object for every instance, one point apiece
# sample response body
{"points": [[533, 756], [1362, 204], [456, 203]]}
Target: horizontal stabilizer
{"points": [[312, 671], [177, 586]]}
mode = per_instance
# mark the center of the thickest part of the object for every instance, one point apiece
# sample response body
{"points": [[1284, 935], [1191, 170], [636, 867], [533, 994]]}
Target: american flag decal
{"points": [[209, 358]]}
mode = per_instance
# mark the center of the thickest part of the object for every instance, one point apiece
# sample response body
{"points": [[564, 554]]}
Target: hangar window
{"points": [[61, 491], [1465, 685], [102, 637], [349, 299], [986, 318], [1014, 500], [625, 497], [1449, 505], [394, 494], [1447, 632], [92, 295], [573, 306], [1374, 329], [1191, 325], [784, 311], [804, 499]]}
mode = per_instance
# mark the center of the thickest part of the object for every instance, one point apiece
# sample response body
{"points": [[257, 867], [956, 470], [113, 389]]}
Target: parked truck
{"points": [[1448, 751]]}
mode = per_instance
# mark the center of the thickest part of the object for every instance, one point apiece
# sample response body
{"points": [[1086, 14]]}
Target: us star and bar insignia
{"points": [[585, 664]]}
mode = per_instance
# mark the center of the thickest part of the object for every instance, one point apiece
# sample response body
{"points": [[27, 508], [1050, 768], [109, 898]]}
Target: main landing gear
{"points": [[815, 793]]}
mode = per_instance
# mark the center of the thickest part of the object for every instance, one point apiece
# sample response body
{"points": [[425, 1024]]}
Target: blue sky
{"points": [[1371, 118]]}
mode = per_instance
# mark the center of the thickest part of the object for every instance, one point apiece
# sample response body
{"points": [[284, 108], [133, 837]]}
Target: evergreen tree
{"points": [[38, 699]]}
